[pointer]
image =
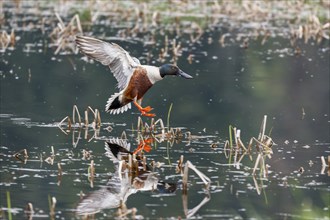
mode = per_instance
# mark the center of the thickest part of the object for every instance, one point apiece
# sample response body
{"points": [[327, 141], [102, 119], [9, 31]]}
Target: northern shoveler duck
{"points": [[134, 79]]}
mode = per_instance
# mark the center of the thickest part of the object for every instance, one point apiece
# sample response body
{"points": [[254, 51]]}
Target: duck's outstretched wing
{"points": [[110, 54]]}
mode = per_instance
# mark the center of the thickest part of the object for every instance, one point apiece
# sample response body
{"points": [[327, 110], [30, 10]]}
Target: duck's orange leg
{"points": [[144, 111]]}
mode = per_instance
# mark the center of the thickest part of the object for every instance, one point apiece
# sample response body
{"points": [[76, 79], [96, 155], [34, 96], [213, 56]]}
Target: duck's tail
{"points": [[115, 105]]}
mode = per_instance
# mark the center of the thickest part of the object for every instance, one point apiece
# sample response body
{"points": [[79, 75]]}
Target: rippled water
{"points": [[232, 85]]}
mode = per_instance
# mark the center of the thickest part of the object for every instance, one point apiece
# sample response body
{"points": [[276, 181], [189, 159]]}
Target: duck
{"points": [[134, 79]]}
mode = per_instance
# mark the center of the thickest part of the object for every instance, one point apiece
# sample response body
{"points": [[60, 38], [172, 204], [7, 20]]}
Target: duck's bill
{"points": [[185, 75]]}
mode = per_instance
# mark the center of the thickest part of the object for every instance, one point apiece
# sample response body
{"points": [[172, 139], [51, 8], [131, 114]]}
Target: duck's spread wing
{"points": [[110, 54]]}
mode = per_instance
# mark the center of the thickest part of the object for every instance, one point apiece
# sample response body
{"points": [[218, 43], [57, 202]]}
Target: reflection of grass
{"points": [[168, 152], [52, 204], [264, 191], [230, 143]]}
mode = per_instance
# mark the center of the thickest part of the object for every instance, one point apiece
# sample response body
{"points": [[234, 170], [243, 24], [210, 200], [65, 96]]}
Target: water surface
{"points": [[232, 85]]}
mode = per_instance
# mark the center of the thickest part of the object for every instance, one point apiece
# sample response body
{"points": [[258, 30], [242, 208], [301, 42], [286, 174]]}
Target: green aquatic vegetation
{"points": [[168, 116], [9, 205]]}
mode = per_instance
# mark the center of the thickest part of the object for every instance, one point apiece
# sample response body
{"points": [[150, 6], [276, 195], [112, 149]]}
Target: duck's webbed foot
{"points": [[144, 111]]}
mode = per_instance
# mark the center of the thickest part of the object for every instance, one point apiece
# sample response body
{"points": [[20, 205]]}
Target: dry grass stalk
{"points": [[64, 35], [190, 58], [237, 148], [179, 167], [96, 124], [265, 38], [146, 129], [59, 174], [263, 146], [86, 118], [176, 51], [69, 124], [164, 51], [238, 141], [223, 38], [198, 30], [97, 119], [74, 110], [7, 40], [324, 164], [52, 151]]}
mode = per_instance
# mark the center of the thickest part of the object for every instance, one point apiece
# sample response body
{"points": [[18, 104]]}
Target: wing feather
{"points": [[119, 61]]}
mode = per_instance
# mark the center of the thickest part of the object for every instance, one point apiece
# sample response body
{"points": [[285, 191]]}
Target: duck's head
{"points": [[170, 69]]}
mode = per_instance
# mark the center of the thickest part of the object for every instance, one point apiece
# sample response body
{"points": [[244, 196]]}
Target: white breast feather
{"points": [[153, 73]]}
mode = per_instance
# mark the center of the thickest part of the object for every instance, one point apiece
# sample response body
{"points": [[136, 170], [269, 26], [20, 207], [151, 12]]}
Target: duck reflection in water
{"points": [[124, 182]]}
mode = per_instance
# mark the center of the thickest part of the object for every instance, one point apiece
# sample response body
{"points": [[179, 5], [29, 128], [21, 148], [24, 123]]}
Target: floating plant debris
{"points": [[64, 35]]}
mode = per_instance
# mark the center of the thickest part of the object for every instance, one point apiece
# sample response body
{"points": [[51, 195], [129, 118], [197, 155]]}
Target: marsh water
{"points": [[233, 86]]}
